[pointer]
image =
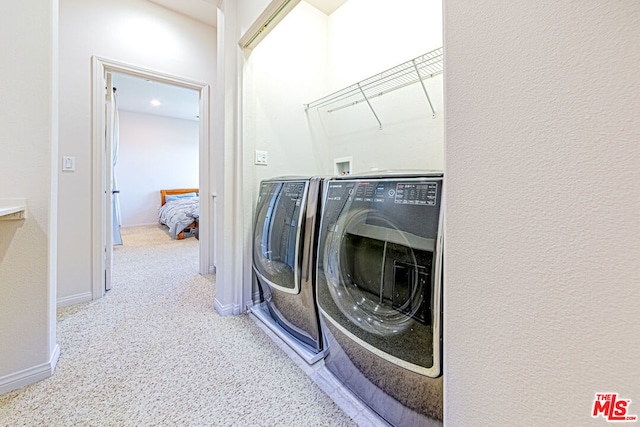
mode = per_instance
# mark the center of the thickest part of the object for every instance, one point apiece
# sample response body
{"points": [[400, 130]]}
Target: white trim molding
{"points": [[31, 375], [268, 19], [74, 299], [99, 222], [228, 309]]}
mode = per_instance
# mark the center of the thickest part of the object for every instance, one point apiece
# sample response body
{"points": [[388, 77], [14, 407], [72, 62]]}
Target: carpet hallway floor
{"points": [[153, 352]]}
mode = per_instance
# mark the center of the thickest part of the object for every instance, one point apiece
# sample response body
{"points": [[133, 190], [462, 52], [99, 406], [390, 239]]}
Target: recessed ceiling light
{"points": [[155, 102]]}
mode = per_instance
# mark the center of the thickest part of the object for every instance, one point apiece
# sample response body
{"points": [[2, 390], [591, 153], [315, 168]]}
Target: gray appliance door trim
{"points": [[309, 247], [436, 369], [296, 273], [437, 292], [295, 290]]}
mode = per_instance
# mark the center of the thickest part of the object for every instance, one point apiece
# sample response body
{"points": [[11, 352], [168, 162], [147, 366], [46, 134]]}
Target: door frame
{"points": [[100, 210], [110, 108]]}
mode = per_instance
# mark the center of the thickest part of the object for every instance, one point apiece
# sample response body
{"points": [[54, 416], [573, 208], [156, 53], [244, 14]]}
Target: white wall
{"points": [[307, 56], [280, 75], [369, 36], [155, 152], [137, 32], [246, 14], [312, 55], [28, 144], [366, 37], [543, 237]]}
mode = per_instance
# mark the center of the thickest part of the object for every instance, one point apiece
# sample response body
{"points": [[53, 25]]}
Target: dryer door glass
{"points": [[379, 267], [277, 233]]}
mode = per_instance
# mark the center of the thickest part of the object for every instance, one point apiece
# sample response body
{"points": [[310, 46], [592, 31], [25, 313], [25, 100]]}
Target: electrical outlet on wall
{"points": [[68, 163], [261, 157]]}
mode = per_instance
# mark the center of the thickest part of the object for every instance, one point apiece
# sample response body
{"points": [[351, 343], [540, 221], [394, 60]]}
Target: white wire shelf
{"points": [[416, 70]]}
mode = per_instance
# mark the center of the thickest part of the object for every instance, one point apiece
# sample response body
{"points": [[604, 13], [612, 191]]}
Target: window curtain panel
{"points": [[117, 221]]}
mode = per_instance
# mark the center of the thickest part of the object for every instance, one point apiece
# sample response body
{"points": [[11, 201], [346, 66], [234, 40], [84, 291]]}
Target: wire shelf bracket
{"points": [[416, 70]]}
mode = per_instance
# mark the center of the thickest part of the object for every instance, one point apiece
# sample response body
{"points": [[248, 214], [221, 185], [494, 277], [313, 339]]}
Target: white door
{"points": [[108, 180]]}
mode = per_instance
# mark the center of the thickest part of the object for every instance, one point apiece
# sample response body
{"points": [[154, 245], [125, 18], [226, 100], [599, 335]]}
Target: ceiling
{"points": [[135, 94], [326, 6], [205, 11]]}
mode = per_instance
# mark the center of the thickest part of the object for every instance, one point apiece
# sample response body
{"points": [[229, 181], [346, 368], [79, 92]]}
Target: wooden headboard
{"points": [[165, 193]]}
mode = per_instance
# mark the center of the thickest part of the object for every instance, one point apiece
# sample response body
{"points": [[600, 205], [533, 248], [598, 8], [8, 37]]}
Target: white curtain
{"points": [[117, 236]]}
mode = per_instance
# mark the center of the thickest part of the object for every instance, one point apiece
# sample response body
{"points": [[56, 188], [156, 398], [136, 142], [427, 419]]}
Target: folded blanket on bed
{"points": [[178, 214]]}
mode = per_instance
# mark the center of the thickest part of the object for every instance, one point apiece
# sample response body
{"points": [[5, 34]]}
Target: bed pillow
{"points": [[179, 196]]}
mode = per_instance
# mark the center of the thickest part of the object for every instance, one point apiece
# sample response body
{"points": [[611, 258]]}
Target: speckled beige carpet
{"points": [[153, 352]]}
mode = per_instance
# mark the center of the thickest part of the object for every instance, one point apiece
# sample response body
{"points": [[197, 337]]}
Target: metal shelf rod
{"points": [[424, 88], [372, 110], [416, 70]]}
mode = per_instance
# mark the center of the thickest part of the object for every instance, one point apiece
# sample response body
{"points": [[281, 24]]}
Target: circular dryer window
{"points": [[375, 277]]}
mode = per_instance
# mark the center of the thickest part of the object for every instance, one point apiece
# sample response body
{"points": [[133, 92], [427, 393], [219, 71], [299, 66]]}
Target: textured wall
{"points": [[280, 75], [27, 142], [136, 32], [360, 48], [164, 151], [542, 157]]}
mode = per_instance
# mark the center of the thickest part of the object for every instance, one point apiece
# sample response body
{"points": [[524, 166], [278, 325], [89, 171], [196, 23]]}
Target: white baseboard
{"points": [[74, 299], [139, 225], [223, 310], [31, 375], [226, 310]]}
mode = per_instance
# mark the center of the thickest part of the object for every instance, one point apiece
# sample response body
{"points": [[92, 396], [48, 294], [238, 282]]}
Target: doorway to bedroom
{"points": [[157, 149], [155, 135]]}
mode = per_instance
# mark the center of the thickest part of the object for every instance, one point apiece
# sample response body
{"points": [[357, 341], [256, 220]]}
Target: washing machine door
{"points": [[379, 267], [277, 233]]}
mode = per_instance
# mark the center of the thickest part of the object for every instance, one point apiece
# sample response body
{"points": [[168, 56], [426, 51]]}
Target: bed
{"points": [[180, 211]]}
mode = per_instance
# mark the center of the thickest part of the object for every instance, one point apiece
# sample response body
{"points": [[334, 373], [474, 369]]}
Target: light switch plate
{"points": [[261, 157], [68, 163]]}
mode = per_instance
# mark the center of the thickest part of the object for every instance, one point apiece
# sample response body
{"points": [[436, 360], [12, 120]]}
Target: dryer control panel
{"points": [[416, 194], [414, 204]]}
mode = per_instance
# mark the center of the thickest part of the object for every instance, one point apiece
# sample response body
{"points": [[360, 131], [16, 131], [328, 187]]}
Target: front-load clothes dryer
{"points": [[284, 246], [379, 292]]}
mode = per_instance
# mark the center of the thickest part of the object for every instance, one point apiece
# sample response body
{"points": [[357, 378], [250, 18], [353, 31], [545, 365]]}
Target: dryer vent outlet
{"points": [[342, 166]]}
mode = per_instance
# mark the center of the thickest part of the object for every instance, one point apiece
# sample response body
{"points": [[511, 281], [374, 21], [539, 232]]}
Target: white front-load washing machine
{"points": [[379, 291]]}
